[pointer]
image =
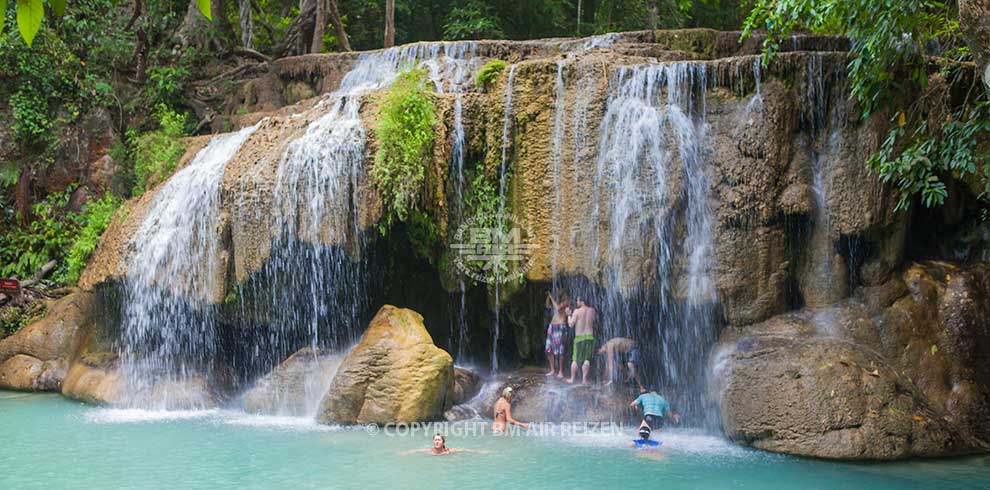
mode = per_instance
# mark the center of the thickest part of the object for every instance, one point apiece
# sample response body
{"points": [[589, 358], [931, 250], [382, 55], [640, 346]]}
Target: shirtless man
{"points": [[556, 332], [624, 352], [503, 413], [440, 448], [583, 320]]}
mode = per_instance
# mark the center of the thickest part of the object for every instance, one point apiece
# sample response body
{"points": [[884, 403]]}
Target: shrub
{"points": [[486, 75], [93, 220], [405, 134], [156, 153], [23, 250]]}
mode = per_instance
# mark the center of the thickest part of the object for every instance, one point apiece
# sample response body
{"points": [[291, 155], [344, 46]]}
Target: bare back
{"points": [[583, 320]]}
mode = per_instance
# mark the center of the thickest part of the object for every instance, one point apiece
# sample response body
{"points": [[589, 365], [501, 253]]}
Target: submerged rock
{"points": [[394, 374], [883, 378], [36, 357], [295, 386]]}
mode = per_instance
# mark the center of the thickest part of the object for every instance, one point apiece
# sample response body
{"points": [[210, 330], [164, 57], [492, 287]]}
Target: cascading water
{"points": [[311, 290], [652, 142], [169, 330]]}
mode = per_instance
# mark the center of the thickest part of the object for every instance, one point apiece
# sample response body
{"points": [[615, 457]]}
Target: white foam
{"points": [[138, 415], [277, 422]]}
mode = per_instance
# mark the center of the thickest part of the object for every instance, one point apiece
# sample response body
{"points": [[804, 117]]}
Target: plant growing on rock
{"points": [[156, 153], [405, 135], [487, 74], [95, 218]]}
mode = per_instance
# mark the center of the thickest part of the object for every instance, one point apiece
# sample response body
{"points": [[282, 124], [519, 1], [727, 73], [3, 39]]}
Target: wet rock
{"points": [[542, 399], [295, 386], [467, 384], [95, 379], [394, 374], [899, 371], [36, 357]]}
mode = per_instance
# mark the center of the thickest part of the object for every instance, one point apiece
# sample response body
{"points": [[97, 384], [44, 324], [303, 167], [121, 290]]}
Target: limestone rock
{"points": [[35, 358], [394, 374], [94, 379], [467, 384], [542, 399], [875, 377], [295, 386]]}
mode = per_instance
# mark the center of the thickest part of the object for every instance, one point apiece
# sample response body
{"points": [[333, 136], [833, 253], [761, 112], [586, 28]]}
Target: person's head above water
{"points": [[644, 432], [439, 442], [507, 393]]}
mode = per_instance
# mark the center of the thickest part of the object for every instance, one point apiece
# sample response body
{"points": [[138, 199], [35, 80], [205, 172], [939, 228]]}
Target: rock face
{"points": [[94, 379], [899, 371], [394, 374], [37, 357], [467, 384], [296, 386], [538, 399]]}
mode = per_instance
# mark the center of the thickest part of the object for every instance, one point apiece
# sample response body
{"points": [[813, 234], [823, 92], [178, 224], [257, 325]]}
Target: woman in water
{"points": [[503, 413], [440, 448]]}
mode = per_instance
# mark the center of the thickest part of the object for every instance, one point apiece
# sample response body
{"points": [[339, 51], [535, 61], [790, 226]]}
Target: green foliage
{"points": [[472, 21], [487, 74], [29, 15], [156, 153], [13, 318], [889, 59], [888, 38], [952, 150], [95, 218], [24, 250], [405, 135], [165, 84]]}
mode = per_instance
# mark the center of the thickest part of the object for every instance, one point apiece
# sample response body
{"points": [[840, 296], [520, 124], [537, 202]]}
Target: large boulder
{"points": [[295, 386], [394, 374], [36, 358], [897, 371], [94, 378]]}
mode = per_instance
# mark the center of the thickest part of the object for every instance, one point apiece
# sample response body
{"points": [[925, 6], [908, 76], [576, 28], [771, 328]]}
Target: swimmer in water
{"points": [[646, 447], [503, 413], [440, 448]]}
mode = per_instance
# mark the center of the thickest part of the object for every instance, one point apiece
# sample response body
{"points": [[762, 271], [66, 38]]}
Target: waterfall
{"points": [[825, 270], [652, 142], [169, 332], [311, 290], [557, 146], [457, 164]]}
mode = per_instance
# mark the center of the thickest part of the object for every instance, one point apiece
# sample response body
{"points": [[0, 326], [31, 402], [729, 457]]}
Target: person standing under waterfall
{"points": [[583, 321], [556, 332], [624, 352]]}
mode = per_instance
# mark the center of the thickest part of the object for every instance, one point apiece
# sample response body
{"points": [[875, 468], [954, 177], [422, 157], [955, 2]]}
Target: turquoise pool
{"points": [[52, 443]]}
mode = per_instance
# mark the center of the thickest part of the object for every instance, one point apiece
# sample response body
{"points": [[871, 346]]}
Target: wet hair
{"points": [[507, 392], [442, 438]]}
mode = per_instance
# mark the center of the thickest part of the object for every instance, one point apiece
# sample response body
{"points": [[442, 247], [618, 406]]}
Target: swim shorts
{"points": [[631, 356], [555, 338], [584, 346]]}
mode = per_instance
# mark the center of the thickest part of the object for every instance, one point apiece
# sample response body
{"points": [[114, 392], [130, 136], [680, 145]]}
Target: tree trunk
{"points": [[218, 10], [974, 19], [319, 26], [247, 24], [338, 26], [299, 35], [389, 23], [192, 31]]}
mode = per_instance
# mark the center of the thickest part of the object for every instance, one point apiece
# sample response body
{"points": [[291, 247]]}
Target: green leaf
{"points": [[29, 15], [204, 7], [58, 6], [3, 13]]}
